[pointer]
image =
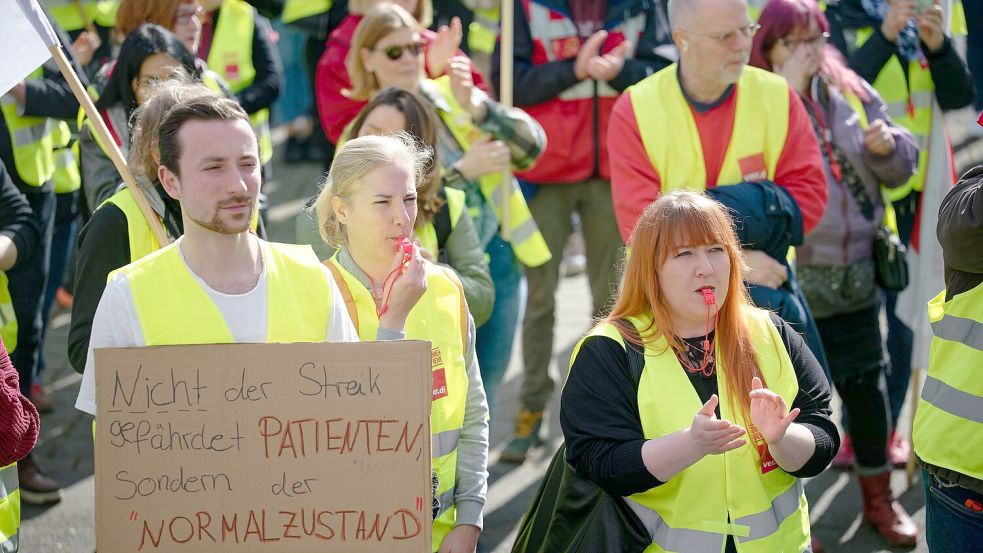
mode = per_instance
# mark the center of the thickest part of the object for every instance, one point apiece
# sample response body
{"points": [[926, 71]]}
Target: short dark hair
{"points": [[143, 42], [200, 108]]}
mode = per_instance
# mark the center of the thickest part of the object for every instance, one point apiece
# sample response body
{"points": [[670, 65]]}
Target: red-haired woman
{"points": [[731, 408], [862, 149]]}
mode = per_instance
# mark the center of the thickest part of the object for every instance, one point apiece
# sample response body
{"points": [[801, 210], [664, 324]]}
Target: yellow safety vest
{"points": [[66, 176], [294, 10], [31, 141], [172, 307], [427, 234], [909, 104], [231, 56], [527, 242], [66, 13], [8, 319], [484, 29], [9, 509], [672, 141], [720, 494], [948, 429], [141, 238], [441, 316]]}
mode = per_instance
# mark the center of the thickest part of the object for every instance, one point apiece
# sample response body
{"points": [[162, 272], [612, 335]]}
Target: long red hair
{"points": [[674, 220]]}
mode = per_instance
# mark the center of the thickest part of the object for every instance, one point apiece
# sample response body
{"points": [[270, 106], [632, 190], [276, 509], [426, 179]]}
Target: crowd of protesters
{"points": [[817, 127]]}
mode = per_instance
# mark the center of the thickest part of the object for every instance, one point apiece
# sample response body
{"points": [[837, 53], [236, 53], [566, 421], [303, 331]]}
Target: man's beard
{"points": [[217, 224]]}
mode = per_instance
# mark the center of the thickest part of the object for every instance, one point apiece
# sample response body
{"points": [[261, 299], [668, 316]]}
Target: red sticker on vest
{"points": [[232, 71], [753, 168], [768, 462], [439, 384]]}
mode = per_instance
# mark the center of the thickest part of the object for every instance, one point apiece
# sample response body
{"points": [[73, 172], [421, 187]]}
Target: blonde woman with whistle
{"points": [[367, 209], [731, 408]]}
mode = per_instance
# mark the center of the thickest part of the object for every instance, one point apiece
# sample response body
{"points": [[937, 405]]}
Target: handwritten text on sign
{"points": [[264, 447]]}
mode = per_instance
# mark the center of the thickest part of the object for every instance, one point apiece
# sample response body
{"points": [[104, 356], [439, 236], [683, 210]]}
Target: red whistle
{"points": [[404, 245], [708, 296]]}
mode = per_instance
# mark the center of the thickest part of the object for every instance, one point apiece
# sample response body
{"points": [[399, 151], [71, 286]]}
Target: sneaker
{"points": [[898, 450], [845, 457], [36, 488], [43, 402], [527, 425], [64, 297]]}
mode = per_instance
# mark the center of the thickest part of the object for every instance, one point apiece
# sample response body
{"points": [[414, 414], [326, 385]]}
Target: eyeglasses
{"points": [[746, 32], [184, 15], [396, 51], [811, 41]]}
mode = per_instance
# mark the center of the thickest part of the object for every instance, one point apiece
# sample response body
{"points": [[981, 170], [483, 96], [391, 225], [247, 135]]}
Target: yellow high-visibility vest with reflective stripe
{"points": [[427, 234], [948, 429], [524, 236], [8, 319], [441, 316], [9, 509], [231, 56], [66, 13], [172, 308], [760, 129], [66, 177], [294, 10], [31, 141], [483, 31], [909, 103], [725, 494]]}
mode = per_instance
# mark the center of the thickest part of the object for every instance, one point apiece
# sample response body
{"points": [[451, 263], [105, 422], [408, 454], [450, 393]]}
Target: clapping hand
{"points": [[769, 412], [931, 27], [712, 436], [444, 46], [878, 138]]}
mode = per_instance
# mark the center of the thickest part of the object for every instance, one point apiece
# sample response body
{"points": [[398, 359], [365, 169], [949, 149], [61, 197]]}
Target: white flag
{"points": [[24, 40]]}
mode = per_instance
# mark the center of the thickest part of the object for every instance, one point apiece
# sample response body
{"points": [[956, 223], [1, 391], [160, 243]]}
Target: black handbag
{"points": [[571, 514], [890, 260]]}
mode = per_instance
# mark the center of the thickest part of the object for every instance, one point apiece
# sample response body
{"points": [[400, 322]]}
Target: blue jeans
{"points": [[66, 214], [494, 339], [953, 516]]}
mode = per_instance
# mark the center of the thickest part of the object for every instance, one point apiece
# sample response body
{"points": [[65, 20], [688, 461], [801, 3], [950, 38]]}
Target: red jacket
{"points": [[334, 108], [575, 113], [635, 183], [19, 421]]}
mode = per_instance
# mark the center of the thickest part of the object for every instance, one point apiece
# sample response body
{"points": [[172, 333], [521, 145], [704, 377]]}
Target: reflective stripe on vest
{"points": [[31, 142], [66, 13], [909, 103], [484, 29], [9, 509], [141, 237], [298, 303], [8, 319], [555, 38], [427, 234], [231, 56], [756, 142], [440, 317], [948, 428], [66, 177], [294, 10], [721, 494], [524, 236]]}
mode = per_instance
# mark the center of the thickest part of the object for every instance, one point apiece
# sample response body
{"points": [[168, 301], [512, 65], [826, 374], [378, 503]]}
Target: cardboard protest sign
{"points": [[264, 447]]}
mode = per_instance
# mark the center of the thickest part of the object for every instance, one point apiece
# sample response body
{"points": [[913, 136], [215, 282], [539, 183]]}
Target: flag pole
{"points": [[107, 140], [505, 98]]}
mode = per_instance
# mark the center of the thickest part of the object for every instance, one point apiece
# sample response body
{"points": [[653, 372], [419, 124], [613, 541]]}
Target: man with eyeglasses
{"points": [[709, 121]]}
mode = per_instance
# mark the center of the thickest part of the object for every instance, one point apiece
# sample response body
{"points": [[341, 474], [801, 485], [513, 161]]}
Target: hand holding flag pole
{"points": [[39, 22]]}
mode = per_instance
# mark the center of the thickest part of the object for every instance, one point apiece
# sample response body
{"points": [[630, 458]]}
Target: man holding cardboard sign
{"points": [[220, 283]]}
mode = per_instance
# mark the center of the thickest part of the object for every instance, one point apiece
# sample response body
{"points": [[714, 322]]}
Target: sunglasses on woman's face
{"points": [[395, 52]]}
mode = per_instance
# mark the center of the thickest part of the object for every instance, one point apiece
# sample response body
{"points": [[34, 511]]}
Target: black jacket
{"points": [[953, 87]]}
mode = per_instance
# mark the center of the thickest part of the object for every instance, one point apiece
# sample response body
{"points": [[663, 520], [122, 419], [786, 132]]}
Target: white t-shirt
{"points": [[115, 324]]}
